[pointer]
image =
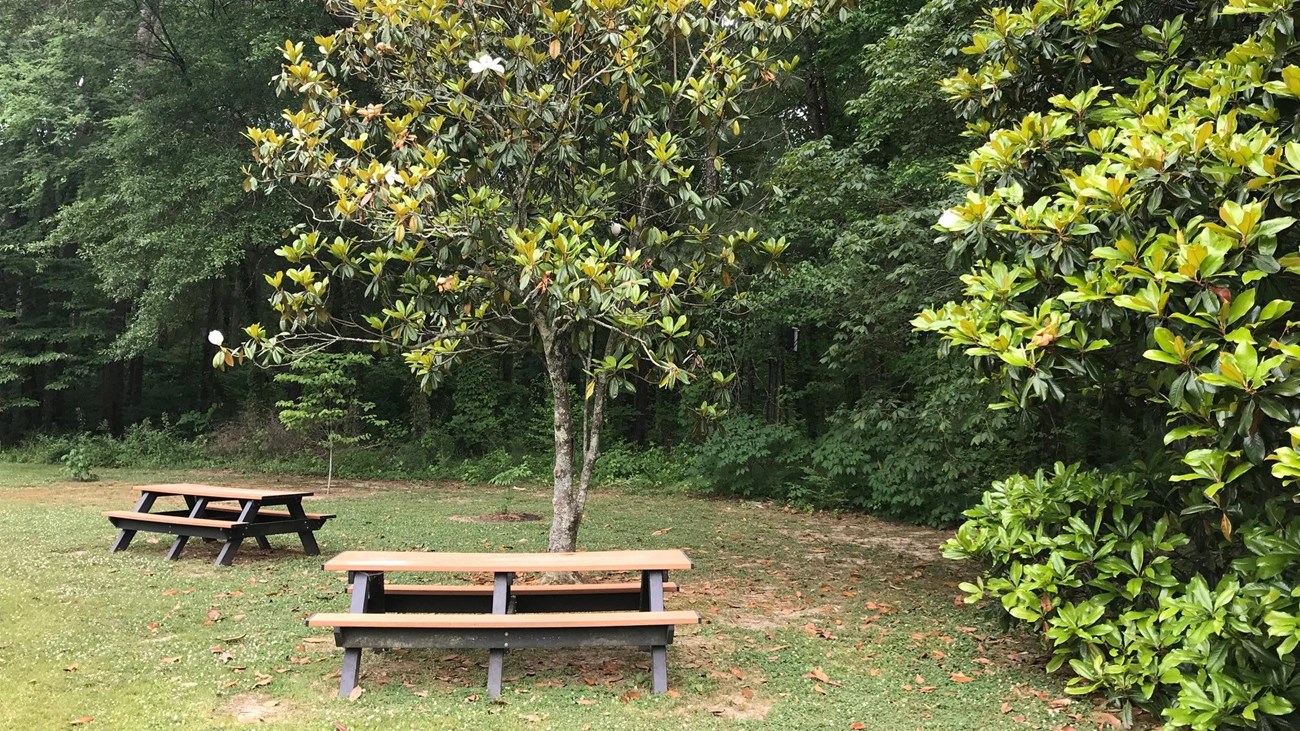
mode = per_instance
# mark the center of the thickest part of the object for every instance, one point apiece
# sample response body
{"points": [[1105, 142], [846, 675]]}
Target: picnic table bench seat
{"points": [[503, 631], [168, 519], [273, 514]]}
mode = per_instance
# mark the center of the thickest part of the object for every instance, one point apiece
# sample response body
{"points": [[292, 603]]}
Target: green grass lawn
{"points": [[811, 622]]}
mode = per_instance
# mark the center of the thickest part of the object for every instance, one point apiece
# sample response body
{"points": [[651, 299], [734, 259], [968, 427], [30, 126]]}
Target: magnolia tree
{"points": [[505, 176], [1136, 236]]}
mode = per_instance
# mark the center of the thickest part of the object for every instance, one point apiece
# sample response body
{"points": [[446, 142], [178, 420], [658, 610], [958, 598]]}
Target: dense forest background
{"points": [[125, 237]]}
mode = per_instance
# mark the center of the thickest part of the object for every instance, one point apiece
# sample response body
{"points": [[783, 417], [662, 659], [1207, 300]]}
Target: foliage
{"points": [[1133, 239], [77, 464], [1096, 563], [569, 197], [45, 351], [642, 470], [484, 404], [327, 406], [918, 456], [888, 431], [487, 466], [520, 474], [748, 458], [122, 230], [144, 445]]}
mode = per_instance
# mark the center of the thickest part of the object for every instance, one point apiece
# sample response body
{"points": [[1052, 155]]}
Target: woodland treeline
{"points": [[126, 237]]}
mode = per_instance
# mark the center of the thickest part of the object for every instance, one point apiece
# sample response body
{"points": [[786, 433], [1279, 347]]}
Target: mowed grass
{"points": [[811, 622]]}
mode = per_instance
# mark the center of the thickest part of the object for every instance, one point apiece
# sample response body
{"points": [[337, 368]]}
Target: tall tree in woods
{"points": [[120, 151], [521, 176]]}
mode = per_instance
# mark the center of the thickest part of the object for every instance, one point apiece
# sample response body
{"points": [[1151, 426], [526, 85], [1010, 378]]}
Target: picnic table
{"points": [[505, 615], [208, 514]]}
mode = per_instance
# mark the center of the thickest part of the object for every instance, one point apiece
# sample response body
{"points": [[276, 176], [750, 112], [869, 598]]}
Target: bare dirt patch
{"points": [[252, 708], [892, 539], [75, 493], [742, 705], [496, 518]]}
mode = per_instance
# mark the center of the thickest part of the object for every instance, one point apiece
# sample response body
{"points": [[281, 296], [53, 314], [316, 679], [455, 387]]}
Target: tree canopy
{"points": [[1127, 229], [570, 196]]}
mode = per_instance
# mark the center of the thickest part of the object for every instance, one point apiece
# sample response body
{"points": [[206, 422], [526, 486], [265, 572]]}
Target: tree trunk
{"points": [[643, 404], [593, 419], [329, 471], [774, 379], [815, 95], [567, 511], [110, 393]]}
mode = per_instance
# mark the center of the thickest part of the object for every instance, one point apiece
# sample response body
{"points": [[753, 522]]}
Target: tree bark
{"points": [[815, 94], [774, 379], [567, 514], [594, 418], [146, 30]]}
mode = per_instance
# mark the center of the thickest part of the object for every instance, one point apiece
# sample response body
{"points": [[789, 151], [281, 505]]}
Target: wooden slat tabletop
{"points": [[377, 561], [220, 493]]}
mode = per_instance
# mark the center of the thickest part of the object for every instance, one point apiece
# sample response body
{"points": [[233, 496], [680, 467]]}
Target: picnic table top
{"points": [[220, 493], [379, 561]]}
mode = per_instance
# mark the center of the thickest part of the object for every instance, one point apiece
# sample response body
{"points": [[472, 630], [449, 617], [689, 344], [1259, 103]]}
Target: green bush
{"points": [[1118, 591], [1128, 229], [483, 468], [143, 445], [747, 457], [632, 469], [39, 449], [77, 464], [521, 474], [920, 458]]}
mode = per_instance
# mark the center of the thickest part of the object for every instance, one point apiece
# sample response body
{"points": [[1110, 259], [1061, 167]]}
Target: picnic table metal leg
{"points": [[497, 656], [308, 538], [361, 582], [262, 542], [351, 671], [189, 503], [196, 511], [352, 655], [655, 590], [143, 505], [246, 515], [653, 597], [376, 602], [659, 669]]}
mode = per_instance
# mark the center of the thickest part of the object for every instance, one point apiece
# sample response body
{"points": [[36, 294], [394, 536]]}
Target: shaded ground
{"points": [[811, 622]]}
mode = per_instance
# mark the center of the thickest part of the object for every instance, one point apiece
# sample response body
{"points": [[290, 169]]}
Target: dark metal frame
{"points": [[256, 527], [520, 602]]}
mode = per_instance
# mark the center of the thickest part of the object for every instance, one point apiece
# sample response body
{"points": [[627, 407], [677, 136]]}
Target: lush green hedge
{"points": [[1128, 229], [1121, 594]]}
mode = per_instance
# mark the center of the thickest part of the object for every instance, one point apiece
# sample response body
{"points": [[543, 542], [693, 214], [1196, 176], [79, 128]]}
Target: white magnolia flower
{"points": [[391, 177], [952, 221], [616, 228], [487, 62], [216, 338]]}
